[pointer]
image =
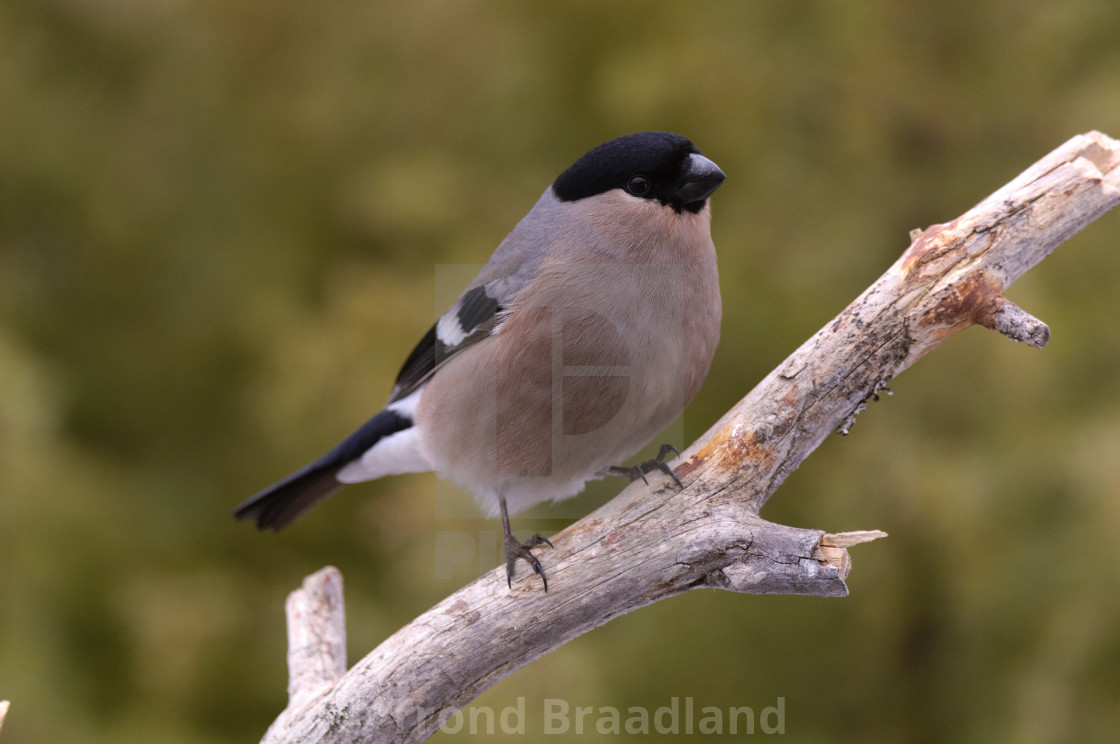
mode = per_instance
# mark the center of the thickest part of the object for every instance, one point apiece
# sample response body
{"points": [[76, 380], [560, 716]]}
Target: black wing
{"points": [[473, 317]]}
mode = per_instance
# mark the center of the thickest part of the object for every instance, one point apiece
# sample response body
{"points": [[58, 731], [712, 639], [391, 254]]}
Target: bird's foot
{"points": [[657, 463], [523, 550]]}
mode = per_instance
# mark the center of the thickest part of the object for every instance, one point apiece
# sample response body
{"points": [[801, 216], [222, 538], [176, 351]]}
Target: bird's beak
{"points": [[701, 177]]}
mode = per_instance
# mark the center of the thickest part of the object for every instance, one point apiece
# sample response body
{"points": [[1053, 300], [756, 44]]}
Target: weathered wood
{"points": [[316, 633], [654, 542]]}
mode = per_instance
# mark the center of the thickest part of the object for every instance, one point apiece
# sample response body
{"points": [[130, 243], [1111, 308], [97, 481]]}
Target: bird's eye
{"points": [[638, 185]]}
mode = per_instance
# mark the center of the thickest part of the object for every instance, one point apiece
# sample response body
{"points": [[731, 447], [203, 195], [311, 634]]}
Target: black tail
{"points": [[282, 503], [279, 505]]}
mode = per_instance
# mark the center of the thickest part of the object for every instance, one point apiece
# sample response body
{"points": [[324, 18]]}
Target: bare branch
{"points": [[652, 543], [316, 633]]}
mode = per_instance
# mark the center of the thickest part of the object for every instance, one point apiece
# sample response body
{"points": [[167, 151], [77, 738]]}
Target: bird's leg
{"points": [[639, 471], [515, 549]]}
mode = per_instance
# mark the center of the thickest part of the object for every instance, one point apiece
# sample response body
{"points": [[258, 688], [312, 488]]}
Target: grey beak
{"points": [[700, 178]]}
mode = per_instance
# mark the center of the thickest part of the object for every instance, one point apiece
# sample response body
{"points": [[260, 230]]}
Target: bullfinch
{"points": [[587, 332]]}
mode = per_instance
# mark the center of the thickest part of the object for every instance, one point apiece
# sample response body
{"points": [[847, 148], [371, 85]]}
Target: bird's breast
{"points": [[595, 358]]}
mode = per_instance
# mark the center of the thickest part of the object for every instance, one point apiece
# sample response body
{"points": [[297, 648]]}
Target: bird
{"points": [[585, 334]]}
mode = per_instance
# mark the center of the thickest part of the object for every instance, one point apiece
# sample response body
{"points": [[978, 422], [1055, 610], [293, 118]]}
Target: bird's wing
{"points": [[480, 310], [473, 317]]}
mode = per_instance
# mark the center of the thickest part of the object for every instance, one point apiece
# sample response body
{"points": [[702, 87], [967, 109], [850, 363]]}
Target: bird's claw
{"points": [[515, 550], [657, 463]]}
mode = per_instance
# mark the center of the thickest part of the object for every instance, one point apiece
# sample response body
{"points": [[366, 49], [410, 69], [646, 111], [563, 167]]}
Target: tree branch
{"points": [[316, 634], [650, 543]]}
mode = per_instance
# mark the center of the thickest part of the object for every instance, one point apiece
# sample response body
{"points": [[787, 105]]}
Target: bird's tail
{"points": [[280, 504]]}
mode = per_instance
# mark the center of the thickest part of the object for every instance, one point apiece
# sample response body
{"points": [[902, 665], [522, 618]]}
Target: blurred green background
{"points": [[222, 227]]}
